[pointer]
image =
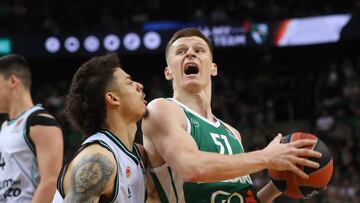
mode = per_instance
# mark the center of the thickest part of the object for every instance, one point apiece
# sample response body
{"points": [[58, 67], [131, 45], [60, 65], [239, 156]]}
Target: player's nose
{"points": [[190, 53], [139, 87]]}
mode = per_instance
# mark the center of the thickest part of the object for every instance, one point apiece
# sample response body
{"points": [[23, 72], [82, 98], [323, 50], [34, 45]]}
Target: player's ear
{"points": [[168, 73], [213, 70], [13, 81], [112, 98]]}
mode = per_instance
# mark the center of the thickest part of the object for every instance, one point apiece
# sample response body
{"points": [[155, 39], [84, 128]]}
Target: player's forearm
{"points": [[209, 167], [268, 193], [45, 191]]}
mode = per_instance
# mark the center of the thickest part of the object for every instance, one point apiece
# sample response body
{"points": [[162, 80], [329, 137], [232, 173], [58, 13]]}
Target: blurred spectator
{"points": [[325, 122], [75, 16]]}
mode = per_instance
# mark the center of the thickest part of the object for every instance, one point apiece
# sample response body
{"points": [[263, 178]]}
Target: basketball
{"points": [[296, 187]]}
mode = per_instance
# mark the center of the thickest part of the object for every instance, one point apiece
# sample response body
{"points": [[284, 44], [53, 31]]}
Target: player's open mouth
{"points": [[143, 97], [191, 68]]}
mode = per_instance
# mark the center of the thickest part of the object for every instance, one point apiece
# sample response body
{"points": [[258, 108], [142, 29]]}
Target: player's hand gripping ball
{"points": [[293, 185]]}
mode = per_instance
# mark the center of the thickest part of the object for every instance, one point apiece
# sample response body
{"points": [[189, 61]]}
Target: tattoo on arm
{"points": [[89, 178]]}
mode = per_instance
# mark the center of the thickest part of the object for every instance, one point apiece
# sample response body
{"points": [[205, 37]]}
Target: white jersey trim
{"points": [[237, 138], [215, 124]]}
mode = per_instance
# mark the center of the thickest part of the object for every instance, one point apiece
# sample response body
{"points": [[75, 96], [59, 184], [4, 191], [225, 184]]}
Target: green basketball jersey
{"points": [[210, 137]]}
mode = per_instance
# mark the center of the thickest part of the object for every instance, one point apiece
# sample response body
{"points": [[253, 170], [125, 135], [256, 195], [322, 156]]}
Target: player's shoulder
{"points": [[164, 112], [39, 109], [93, 148], [160, 101], [41, 113], [93, 153], [163, 105], [233, 129]]}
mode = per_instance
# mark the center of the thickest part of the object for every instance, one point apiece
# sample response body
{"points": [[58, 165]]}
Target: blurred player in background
{"points": [[105, 103], [31, 140]]}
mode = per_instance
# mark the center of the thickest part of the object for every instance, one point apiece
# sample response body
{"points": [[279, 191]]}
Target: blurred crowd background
{"points": [[260, 90], [59, 16]]}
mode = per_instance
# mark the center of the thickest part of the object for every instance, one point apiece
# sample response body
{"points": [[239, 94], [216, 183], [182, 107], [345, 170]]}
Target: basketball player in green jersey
{"points": [[194, 156]]}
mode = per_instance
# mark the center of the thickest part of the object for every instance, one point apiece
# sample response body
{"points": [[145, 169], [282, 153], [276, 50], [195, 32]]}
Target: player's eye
{"points": [[198, 50], [181, 51]]}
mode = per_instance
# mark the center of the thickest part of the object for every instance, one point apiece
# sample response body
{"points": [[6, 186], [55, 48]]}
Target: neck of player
{"points": [[19, 104], [123, 129], [200, 101]]}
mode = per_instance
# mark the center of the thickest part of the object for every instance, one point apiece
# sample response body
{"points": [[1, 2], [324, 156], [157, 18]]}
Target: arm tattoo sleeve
{"points": [[89, 178]]}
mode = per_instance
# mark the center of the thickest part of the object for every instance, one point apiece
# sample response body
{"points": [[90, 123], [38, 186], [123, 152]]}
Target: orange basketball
{"points": [[293, 185]]}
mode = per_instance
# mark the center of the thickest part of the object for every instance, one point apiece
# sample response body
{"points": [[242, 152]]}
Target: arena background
{"points": [[284, 65]]}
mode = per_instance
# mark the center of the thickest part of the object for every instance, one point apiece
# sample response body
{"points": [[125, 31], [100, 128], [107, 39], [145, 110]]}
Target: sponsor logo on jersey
{"points": [[227, 197], [128, 171], [10, 188], [242, 179], [193, 121]]}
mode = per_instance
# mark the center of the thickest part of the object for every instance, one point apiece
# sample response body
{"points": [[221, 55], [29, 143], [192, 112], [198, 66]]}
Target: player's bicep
{"points": [[48, 142], [90, 176]]}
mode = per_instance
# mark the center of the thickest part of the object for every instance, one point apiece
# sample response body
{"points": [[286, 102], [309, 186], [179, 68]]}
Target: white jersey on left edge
{"points": [[19, 175], [130, 184]]}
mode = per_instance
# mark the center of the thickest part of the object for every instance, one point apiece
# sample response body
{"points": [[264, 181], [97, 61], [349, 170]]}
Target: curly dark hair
{"points": [[85, 103]]}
